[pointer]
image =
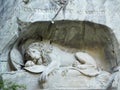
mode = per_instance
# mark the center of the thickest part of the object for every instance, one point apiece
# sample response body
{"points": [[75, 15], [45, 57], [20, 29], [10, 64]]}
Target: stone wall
{"points": [[96, 39], [105, 12]]}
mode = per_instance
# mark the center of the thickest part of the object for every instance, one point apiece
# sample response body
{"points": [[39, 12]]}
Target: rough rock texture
{"points": [[30, 81], [94, 38], [31, 14], [116, 79], [104, 12], [57, 80], [71, 79]]}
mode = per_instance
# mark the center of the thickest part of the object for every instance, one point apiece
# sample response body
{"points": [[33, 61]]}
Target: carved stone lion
{"points": [[43, 53]]}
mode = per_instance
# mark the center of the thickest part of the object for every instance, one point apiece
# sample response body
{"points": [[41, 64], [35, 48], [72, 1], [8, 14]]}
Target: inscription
{"points": [[52, 10]]}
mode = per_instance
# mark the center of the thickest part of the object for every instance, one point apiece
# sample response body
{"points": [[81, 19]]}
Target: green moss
{"points": [[8, 85]]}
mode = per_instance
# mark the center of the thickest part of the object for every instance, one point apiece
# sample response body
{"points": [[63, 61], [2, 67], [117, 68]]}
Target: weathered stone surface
{"points": [[57, 80], [85, 36], [99, 12], [4, 67], [116, 80], [104, 12], [70, 79], [34, 11], [31, 81]]}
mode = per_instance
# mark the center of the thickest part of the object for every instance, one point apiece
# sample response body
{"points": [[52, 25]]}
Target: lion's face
{"points": [[38, 52], [34, 53]]}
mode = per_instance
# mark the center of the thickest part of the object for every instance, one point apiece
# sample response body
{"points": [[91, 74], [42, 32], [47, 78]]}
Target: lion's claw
{"points": [[43, 76]]}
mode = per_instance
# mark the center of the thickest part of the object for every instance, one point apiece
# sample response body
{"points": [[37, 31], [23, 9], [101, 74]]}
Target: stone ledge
{"points": [[22, 78]]}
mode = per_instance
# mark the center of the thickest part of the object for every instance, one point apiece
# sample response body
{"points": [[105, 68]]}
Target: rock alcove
{"points": [[98, 40], [71, 36]]}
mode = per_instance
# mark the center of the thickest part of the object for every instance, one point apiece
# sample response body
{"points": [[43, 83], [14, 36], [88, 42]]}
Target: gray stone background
{"points": [[106, 12]]}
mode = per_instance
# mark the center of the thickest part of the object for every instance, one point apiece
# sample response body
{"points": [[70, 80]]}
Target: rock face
{"points": [[23, 78], [85, 36], [90, 26]]}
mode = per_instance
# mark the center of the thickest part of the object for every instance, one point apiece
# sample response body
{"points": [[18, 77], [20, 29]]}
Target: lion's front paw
{"points": [[29, 63], [43, 76]]}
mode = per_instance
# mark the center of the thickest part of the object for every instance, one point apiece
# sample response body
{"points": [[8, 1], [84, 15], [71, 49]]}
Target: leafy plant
{"points": [[8, 85]]}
